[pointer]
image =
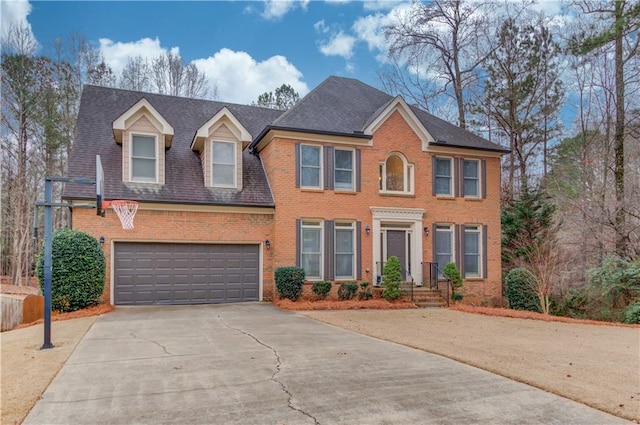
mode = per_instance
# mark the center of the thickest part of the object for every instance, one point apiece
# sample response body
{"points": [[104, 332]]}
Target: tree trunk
{"points": [[621, 241]]}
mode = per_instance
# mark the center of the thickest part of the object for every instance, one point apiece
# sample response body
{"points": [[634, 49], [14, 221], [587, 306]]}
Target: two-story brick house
{"points": [[336, 185]]}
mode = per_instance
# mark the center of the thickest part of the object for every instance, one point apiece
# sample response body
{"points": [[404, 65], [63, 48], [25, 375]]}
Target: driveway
{"points": [[253, 364]]}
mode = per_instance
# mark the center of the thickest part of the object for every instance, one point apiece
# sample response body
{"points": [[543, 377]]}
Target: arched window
{"points": [[396, 174]]}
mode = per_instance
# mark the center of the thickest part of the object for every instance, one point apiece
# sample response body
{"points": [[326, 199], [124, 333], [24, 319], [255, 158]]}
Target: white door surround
{"points": [[411, 217]]}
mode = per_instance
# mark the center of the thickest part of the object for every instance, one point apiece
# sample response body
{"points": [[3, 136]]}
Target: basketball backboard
{"points": [[99, 186]]}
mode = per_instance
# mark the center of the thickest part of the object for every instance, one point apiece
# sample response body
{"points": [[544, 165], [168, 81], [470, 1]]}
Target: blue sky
{"points": [[246, 48]]}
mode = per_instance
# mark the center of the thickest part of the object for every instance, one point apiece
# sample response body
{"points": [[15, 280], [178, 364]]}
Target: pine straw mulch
{"points": [[85, 312], [333, 304], [521, 314]]}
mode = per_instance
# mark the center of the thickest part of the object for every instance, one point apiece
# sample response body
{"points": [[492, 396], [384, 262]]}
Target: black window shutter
{"points": [[456, 177], [433, 245], [485, 268], [359, 250], [298, 242], [483, 178], [297, 146], [460, 248], [328, 167], [329, 269], [357, 171], [433, 175]]}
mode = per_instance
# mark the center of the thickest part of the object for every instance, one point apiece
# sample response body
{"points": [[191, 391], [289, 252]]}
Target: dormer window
{"points": [[396, 175], [223, 164], [144, 162]]}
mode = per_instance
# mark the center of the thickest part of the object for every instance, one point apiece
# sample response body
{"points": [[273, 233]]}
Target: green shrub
{"points": [[365, 293], [520, 290], [452, 273], [78, 270], [456, 296], [321, 289], [632, 314], [575, 303], [615, 281], [289, 281], [391, 278], [347, 290]]}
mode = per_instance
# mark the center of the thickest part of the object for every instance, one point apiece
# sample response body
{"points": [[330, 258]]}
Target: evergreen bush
{"points": [[391, 278], [632, 314], [365, 293], [347, 290], [321, 289], [289, 281], [520, 290], [455, 279], [78, 270]]}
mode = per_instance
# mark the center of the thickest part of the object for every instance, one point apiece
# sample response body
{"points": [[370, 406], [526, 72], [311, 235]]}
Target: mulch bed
{"points": [[331, 304], [520, 314]]}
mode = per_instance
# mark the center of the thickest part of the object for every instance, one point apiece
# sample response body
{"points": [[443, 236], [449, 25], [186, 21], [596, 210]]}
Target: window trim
{"points": [[320, 169], [343, 225], [312, 224], [451, 229], [451, 176], [408, 175], [477, 179], [235, 164], [353, 169], [156, 158], [476, 229]]}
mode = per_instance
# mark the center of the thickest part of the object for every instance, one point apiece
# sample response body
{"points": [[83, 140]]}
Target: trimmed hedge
{"points": [[78, 270], [391, 278], [321, 289], [452, 273], [520, 292], [347, 290], [289, 282]]}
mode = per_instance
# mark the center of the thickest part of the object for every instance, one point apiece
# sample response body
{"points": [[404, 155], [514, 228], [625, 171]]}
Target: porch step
{"points": [[425, 297]]}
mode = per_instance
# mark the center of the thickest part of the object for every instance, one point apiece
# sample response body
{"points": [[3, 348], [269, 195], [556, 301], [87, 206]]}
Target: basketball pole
{"points": [[48, 205]]}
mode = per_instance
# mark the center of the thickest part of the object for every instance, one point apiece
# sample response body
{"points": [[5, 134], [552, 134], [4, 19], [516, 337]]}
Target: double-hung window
{"points": [[443, 176], [311, 249], [143, 158], [344, 169], [310, 166], [444, 245], [223, 164], [471, 178], [472, 251], [344, 250]]}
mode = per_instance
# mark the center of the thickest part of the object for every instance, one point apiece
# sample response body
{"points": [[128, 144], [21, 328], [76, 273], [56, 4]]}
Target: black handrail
{"points": [[434, 278]]}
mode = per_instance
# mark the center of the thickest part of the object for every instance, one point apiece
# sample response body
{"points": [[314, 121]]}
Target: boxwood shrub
{"points": [[289, 281], [519, 288], [321, 289], [78, 270], [347, 290]]}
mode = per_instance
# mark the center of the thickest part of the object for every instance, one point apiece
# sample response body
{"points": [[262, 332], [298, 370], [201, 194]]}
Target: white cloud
{"points": [[276, 9], [340, 44], [320, 26], [116, 54], [14, 14], [381, 4], [241, 79], [370, 28]]}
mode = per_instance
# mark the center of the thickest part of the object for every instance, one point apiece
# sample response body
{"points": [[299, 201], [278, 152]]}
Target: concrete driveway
{"points": [[253, 364]]}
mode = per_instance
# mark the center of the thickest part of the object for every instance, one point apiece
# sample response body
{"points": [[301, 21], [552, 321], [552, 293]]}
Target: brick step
{"points": [[438, 304]]}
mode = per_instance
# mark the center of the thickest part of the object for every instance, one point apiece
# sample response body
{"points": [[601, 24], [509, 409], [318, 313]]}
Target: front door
{"points": [[397, 245]]}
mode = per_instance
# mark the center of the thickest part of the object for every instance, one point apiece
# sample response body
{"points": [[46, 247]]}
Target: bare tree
{"points": [[135, 75], [169, 75], [441, 41]]}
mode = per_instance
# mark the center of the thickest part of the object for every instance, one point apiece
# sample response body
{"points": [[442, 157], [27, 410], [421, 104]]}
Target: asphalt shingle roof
{"points": [[337, 106], [184, 180]]}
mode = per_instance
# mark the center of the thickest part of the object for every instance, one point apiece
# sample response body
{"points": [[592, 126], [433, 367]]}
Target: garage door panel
{"points": [[169, 273]]}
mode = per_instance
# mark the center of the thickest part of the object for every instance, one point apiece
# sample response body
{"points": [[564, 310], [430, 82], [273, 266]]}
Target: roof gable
{"points": [[142, 108], [398, 104], [223, 117]]}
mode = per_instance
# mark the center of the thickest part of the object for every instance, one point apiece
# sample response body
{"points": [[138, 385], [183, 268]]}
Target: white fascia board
{"points": [[399, 104]]}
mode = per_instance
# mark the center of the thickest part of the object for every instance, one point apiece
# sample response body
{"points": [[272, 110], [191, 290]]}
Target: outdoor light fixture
{"points": [[101, 240], [267, 243], [426, 231], [367, 229]]}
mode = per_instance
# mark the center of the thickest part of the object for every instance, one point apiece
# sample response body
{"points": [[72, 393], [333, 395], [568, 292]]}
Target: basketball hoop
{"points": [[125, 210]]}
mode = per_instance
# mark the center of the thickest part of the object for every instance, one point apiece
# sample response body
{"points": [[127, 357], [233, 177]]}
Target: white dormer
{"points": [[144, 134], [220, 142]]}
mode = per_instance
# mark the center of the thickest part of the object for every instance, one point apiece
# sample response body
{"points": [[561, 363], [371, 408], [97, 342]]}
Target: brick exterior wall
{"points": [[395, 135], [292, 203], [181, 226]]}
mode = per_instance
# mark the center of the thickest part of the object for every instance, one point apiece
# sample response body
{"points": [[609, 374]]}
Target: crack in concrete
{"points": [[277, 371], [134, 336]]}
